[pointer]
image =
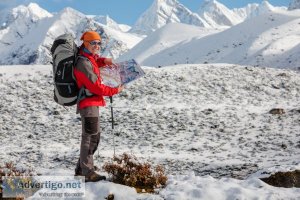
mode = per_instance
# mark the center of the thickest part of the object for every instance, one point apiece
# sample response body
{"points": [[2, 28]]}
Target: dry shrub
{"points": [[10, 170], [126, 170]]}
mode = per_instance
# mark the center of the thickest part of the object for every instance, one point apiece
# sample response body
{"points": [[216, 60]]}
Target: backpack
{"points": [[64, 56]]}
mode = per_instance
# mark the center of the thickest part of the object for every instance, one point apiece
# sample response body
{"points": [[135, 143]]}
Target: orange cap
{"points": [[90, 36]]}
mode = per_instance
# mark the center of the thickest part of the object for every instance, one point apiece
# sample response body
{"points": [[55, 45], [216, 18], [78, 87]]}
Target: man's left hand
{"points": [[108, 61]]}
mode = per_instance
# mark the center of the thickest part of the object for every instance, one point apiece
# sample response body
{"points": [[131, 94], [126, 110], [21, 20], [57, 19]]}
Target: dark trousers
{"points": [[89, 139]]}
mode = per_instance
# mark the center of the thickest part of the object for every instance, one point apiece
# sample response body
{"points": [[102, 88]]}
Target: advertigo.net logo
{"points": [[43, 187]]}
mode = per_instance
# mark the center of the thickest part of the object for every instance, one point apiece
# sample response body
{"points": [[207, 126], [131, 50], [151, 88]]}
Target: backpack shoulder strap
{"points": [[78, 58]]}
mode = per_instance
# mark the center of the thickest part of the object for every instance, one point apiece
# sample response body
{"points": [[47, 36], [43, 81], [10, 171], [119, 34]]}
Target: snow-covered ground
{"points": [[209, 125]]}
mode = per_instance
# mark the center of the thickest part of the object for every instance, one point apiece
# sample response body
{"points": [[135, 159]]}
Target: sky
{"points": [[123, 11]]}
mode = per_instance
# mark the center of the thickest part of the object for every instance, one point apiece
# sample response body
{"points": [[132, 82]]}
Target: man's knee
{"points": [[91, 125]]}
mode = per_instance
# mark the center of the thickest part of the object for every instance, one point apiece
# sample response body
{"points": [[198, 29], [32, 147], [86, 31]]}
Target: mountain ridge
{"points": [[269, 40], [162, 12], [27, 37], [27, 32]]}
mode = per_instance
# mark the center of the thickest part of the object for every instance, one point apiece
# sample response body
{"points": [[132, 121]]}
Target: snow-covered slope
{"points": [[295, 4], [30, 31], [163, 12], [204, 120], [268, 40], [217, 14], [161, 39]]}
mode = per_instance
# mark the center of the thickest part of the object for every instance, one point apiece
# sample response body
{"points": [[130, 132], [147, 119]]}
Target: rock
{"points": [[277, 111], [296, 111], [284, 179], [55, 112], [193, 149], [110, 197], [282, 74], [284, 146]]}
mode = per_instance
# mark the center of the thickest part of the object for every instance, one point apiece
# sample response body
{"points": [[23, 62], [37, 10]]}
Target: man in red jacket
{"points": [[87, 74]]}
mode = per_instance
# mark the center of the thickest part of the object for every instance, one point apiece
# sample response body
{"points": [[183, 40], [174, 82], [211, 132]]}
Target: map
{"points": [[121, 73]]}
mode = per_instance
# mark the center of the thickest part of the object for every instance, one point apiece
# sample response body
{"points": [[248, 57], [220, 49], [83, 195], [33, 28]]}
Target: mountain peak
{"points": [[106, 20], [211, 3], [70, 10], [266, 6], [162, 12], [34, 6], [262, 8], [33, 10], [217, 14], [166, 1], [167, 5]]}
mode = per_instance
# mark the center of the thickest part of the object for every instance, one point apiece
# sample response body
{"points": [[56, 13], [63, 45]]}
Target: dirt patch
{"points": [[284, 179]]}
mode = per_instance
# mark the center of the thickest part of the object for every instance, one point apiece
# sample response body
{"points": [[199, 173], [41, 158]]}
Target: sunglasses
{"points": [[94, 43]]}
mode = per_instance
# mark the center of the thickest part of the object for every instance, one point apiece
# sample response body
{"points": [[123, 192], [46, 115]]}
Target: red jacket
{"points": [[87, 74]]}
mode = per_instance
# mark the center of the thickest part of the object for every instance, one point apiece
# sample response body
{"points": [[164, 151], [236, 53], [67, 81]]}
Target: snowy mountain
{"points": [[266, 40], [163, 12], [295, 4], [32, 13], [27, 34], [161, 40], [217, 14], [254, 10], [23, 32], [264, 8], [247, 11], [208, 125], [109, 22]]}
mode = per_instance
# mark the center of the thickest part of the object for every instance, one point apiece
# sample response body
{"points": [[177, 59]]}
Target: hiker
{"points": [[87, 74]]}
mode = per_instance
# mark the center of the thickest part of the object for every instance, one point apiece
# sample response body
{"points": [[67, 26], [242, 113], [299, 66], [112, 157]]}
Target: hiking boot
{"points": [[78, 171], [94, 177]]}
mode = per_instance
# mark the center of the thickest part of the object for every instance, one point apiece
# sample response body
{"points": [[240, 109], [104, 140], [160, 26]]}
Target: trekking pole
{"points": [[112, 123]]}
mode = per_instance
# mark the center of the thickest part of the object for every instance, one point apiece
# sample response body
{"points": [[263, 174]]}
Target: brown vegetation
{"points": [[126, 170], [10, 170]]}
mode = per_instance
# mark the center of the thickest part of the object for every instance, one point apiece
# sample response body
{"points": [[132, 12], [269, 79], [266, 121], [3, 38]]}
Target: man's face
{"points": [[94, 46]]}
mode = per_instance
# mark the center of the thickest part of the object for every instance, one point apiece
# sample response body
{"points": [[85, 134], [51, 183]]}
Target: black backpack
{"points": [[64, 56]]}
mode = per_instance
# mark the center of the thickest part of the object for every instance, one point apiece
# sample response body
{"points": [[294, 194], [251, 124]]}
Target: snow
{"points": [[20, 43], [107, 21], [295, 4], [209, 125], [162, 39], [194, 188], [217, 14], [269, 40], [162, 12], [247, 11]]}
